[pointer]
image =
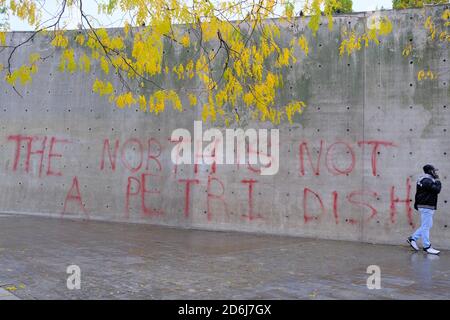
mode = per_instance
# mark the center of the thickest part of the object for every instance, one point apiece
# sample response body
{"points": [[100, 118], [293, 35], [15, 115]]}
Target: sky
{"points": [[90, 6]]}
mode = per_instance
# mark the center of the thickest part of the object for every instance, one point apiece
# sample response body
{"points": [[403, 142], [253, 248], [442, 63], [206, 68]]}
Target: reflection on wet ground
{"points": [[124, 261]]}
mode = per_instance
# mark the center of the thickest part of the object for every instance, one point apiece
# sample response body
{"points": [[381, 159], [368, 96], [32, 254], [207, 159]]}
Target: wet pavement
{"points": [[126, 261]]}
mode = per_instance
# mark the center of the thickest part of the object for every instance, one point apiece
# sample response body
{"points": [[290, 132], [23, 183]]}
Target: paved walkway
{"points": [[6, 295], [124, 261]]}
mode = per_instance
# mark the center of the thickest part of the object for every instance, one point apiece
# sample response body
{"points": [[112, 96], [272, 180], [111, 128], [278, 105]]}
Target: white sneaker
{"points": [[413, 243], [431, 250]]}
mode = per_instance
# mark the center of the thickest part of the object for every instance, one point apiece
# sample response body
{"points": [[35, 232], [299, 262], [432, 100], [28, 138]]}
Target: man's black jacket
{"points": [[427, 193]]}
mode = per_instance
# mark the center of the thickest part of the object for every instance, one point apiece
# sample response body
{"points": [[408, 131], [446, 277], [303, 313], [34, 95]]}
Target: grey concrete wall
{"points": [[372, 96]]}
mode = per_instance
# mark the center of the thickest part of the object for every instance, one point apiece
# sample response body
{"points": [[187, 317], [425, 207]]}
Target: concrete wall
{"points": [[373, 96]]}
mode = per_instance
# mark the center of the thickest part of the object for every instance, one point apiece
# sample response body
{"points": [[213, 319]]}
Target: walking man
{"points": [[427, 189]]}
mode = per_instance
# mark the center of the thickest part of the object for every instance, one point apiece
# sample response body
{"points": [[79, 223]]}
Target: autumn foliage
{"points": [[232, 55]]}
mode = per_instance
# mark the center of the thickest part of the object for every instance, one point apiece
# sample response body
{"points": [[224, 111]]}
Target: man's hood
{"points": [[423, 176]]}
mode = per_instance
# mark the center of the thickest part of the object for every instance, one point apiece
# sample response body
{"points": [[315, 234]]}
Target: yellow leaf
{"points": [[102, 88], [293, 108], [2, 38], [289, 10], [125, 99], [283, 59], [80, 39], [190, 69], [104, 65], [385, 26], [192, 99], [85, 63], [430, 75], [176, 102], [117, 43], [420, 75], [209, 110], [23, 74], [179, 71], [126, 28], [185, 41], [407, 51], [158, 98], [142, 103], [34, 57], [33, 68], [60, 41], [303, 42], [95, 55], [68, 60], [249, 98]]}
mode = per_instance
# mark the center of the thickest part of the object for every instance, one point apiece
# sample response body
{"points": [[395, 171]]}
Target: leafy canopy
{"points": [[226, 58]]}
